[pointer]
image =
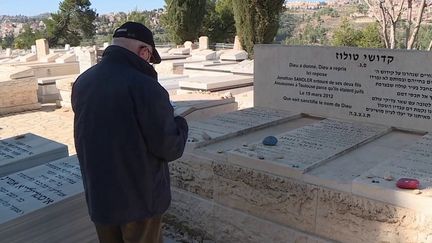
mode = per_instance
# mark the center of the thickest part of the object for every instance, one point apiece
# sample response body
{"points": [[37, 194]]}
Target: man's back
{"points": [[125, 134]]}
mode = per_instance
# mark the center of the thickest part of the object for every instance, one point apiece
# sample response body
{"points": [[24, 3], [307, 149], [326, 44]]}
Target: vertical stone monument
{"points": [[8, 52], [42, 48], [86, 58], [203, 43]]}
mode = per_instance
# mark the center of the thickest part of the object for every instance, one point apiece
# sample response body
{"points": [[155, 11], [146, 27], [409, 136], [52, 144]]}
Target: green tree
{"points": [[139, 17], [72, 23], [370, 37], [346, 35], [257, 21], [219, 24], [287, 25], [8, 40], [312, 34], [183, 19], [27, 38]]}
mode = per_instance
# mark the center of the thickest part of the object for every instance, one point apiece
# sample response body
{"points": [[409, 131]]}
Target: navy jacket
{"points": [[125, 133]]}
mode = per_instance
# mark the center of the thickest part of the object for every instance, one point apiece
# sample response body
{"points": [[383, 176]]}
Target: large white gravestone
{"points": [[371, 85], [26, 151], [45, 204]]}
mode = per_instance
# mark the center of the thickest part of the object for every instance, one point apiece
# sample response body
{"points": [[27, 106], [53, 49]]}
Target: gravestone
{"points": [[45, 204], [42, 48], [216, 83], [300, 150], [8, 52], [33, 49], [26, 151], [86, 58], [334, 169], [67, 47], [66, 58], [50, 57], [237, 44], [203, 43], [18, 90], [234, 55], [377, 86], [232, 124], [28, 57], [412, 162]]}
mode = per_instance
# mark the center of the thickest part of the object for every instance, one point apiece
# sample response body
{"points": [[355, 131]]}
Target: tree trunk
{"points": [[413, 36]]}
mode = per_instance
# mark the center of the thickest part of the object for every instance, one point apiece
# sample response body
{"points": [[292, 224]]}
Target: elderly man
{"points": [[125, 134]]}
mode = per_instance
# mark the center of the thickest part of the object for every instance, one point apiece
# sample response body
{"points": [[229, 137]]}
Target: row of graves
{"points": [[335, 149], [41, 192]]}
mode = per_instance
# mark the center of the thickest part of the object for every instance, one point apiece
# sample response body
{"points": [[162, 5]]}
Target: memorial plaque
{"points": [[235, 123], [26, 151], [33, 189], [302, 149], [390, 87], [414, 162]]}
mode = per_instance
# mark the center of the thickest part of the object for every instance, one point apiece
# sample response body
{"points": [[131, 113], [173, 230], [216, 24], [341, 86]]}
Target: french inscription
{"points": [[306, 147], [378, 86], [38, 187]]}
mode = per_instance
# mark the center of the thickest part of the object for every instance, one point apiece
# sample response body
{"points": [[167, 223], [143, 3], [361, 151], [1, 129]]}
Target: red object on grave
{"points": [[408, 183]]}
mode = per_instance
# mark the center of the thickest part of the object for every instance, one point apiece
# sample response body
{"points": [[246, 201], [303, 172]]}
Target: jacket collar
{"points": [[123, 55]]}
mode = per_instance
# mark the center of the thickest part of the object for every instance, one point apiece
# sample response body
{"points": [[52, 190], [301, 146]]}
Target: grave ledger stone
{"points": [[26, 151], [45, 204]]}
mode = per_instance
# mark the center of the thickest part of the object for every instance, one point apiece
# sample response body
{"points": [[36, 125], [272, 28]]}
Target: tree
{"points": [[219, 23], [27, 38], [257, 21], [8, 40], [72, 22], [346, 35], [183, 19], [368, 37], [139, 17], [388, 13], [287, 25]]}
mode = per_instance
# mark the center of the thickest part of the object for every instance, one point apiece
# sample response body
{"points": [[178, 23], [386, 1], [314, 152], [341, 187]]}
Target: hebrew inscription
{"points": [[38, 187]]}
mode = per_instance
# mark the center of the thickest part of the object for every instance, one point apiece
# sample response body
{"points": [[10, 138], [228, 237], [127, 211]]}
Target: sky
{"points": [[35, 7]]}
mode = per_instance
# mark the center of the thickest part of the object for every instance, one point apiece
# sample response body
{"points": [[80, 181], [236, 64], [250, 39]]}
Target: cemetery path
{"points": [[49, 122]]}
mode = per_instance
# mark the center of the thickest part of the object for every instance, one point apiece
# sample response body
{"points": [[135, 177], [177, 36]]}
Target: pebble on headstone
{"points": [[270, 141]]}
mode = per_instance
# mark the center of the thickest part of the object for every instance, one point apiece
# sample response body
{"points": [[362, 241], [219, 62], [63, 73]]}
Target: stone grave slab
{"points": [[171, 81], [45, 204], [202, 109], [234, 55], [415, 161], [65, 88], [203, 55], [50, 57], [389, 87], [300, 150], [28, 57], [36, 188], [244, 67], [47, 89], [179, 51], [66, 58], [232, 124], [26, 151], [216, 83]]}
